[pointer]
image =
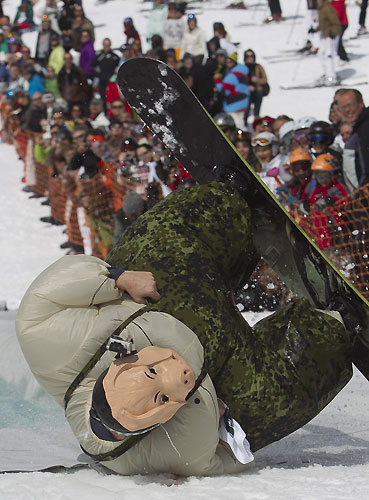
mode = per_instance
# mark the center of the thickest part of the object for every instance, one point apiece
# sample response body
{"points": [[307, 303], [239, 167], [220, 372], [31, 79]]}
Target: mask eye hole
{"points": [[152, 370], [164, 398]]}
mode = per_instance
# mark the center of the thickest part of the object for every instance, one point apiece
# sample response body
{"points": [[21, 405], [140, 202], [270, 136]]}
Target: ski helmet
{"points": [[128, 20], [299, 154], [224, 120], [305, 122], [299, 160], [266, 139], [321, 132], [286, 132], [325, 163]]}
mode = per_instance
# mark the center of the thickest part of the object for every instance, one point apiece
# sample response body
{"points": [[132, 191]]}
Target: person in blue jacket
{"points": [[35, 81], [235, 89]]}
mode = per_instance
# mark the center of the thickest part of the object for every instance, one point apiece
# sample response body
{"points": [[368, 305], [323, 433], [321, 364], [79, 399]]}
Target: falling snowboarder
{"points": [[156, 410]]}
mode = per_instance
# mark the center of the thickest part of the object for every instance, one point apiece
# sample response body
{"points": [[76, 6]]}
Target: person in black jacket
{"points": [[103, 67], [72, 83], [352, 110], [85, 161], [66, 14], [43, 46], [35, 114]]}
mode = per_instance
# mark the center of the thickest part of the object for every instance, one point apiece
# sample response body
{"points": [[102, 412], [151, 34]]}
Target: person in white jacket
{"points": [[193, 41], [266, 150], [157, 16]]}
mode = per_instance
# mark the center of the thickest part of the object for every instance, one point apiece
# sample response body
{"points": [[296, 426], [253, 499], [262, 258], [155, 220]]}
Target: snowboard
{"points": [[172, 112]]}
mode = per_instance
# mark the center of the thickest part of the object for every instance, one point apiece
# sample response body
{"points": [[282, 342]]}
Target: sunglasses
{"points": [[117, 107]]}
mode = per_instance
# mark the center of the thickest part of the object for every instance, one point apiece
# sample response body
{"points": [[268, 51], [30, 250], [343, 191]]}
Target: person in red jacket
{"points": [[326, 192], [131, 33], [340, 8]]}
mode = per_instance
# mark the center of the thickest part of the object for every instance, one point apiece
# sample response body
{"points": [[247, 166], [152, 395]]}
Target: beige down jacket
{"points": [[64, 317]]}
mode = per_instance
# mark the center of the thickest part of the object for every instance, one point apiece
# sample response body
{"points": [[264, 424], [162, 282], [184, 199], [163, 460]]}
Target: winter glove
{"points": [[283, 194], [321, 204], [311, 30], [329, 200]]}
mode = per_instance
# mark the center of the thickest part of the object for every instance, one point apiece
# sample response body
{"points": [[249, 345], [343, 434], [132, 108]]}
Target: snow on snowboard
{"points": [[169, 108]]}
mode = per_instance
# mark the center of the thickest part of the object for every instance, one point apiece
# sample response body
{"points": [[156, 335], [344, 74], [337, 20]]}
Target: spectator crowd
{"points": [[88, 157]]}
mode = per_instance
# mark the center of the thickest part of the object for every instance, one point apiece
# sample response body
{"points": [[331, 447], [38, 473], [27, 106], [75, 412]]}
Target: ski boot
{"points": [[306, 48]]}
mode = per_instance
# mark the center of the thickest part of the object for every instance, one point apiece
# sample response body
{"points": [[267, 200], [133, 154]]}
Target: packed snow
{"points": [[329, 457]]}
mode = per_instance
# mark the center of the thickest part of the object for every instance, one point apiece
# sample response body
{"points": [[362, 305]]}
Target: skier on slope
{"points": [[198, 246], [330, 30]]}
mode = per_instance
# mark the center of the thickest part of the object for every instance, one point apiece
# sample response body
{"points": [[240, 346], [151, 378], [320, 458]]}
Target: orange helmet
{"points": [[299, 154], [324, 163]]}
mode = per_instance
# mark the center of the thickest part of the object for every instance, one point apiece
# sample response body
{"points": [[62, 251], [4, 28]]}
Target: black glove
{"points": [[329, 200], [311, 30]]}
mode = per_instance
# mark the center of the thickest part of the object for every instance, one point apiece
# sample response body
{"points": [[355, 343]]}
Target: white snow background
{"points": [[328, 458]]}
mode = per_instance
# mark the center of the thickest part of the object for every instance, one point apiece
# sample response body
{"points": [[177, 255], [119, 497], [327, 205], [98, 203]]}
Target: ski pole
{"points": [[297, 66], [294, 22], [255, 8]]}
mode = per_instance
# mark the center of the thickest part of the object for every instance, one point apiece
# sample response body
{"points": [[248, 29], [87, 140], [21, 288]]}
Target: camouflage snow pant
{"points": [[275, 376]]}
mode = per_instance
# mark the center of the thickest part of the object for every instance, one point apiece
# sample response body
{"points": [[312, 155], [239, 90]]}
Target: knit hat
{"points": [[221, 52], [233, 57], [268, 119], [97, 138], [132, 203]]}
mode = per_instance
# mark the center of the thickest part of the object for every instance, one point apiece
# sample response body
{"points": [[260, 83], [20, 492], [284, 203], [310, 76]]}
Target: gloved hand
{"points": [[283, 193], [311, 30], [321, 204]]}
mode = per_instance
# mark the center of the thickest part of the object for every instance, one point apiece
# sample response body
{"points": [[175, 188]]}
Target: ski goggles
{"points": [[301, 136], [318, 138], [300, 165], [323, 176], [260, 142]]}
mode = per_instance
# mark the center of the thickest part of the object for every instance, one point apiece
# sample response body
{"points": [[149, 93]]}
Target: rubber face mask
{"points": [[147, 388]]}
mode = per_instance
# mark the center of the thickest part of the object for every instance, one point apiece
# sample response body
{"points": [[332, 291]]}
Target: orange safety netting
{"points": [[21, 144], [87, 207], [96, 215], [120, 186], [341, 231], [57, 198]]}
